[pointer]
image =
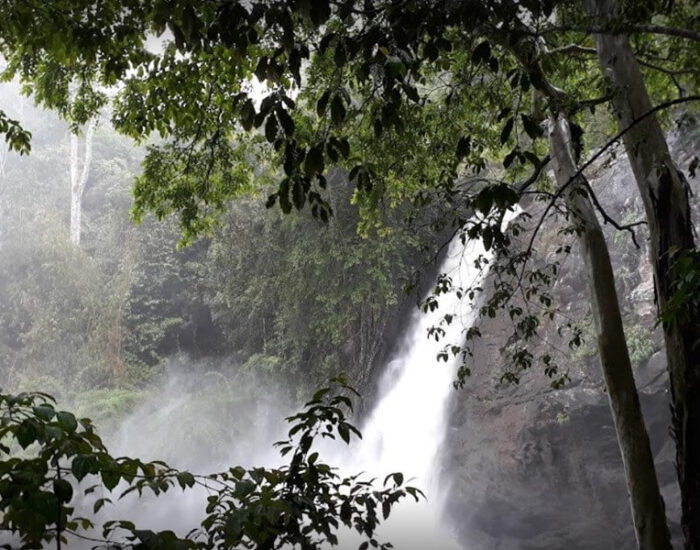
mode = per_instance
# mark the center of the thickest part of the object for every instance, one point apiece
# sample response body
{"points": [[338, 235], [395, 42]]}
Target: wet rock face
{"points": [[547, 473], [528, 467]]}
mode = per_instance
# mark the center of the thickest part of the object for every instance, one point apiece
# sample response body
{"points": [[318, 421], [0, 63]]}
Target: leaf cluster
{"points": [[303, 503]]}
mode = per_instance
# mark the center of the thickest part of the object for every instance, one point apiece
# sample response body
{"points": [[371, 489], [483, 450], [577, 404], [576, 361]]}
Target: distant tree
{"points": [[79, 173]]}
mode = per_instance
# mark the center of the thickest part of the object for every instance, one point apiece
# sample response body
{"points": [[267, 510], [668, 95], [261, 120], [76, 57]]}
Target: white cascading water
{"points": [[405, 431]]}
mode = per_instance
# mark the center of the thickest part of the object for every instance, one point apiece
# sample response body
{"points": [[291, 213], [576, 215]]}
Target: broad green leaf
{"points": [[63, 490], [67, 421]]}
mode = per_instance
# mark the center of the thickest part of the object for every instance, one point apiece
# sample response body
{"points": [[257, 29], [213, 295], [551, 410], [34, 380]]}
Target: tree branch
{"points": [[665, 70], [626, 29], [571, 48], [596, 100], [599, 153], [608, 219], [536, 174], [673, 75]]}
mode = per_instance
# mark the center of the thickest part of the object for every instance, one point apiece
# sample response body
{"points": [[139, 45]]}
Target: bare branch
{"points": [[596, 100], [626, 29], [608, 219], [673, 72], [571, 49], [599, 153], [673, 75]]}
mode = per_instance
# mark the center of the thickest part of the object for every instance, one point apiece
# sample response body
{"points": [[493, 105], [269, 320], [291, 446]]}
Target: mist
{"points": [[198, 418]]}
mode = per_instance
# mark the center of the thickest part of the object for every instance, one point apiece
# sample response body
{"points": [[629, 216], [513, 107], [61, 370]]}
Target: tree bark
{"points": [[647, 505], [78, 178], [665, 195]]}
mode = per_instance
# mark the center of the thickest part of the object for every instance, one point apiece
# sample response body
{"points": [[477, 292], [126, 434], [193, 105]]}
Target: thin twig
{"points": [[673, 75], [608, 219]]}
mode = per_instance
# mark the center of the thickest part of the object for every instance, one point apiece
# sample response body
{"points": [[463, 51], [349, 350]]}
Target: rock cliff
{"points": [[529, 467]]}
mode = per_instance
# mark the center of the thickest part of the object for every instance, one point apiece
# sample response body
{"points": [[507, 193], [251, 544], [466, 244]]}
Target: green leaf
{"points": [[314, 163], [344, 147], [532, 158], [395, 67], [503, 113], [509, 158], [411, 92], [484, 201], [493, 64], [337, 109], [482, 52], [298, 194], [99, 503], [487, 236], [346, 512], [286, 121], [319, 394], [110, 478], [464, 147], [67, 421], [83, 465], [344, 432], [44, 412], [26, 433], [378, 127], [322, 103], [507, 129], [320, 12], [63, 490], [54, 432], [247, 115], [283, 195], [185, 479], [532, 129], [504, 195], [340, 55], [271, 128]]}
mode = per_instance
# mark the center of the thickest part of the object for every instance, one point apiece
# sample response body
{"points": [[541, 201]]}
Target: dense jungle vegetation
{"points": [[285, 295], [313, 157]]}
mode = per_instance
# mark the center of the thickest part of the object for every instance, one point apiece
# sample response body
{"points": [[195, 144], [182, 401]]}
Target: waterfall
{"points": [[405, 430], [403, 433]]}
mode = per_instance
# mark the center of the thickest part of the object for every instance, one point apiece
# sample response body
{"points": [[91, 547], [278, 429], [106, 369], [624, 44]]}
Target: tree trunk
{"points": [[646, 502], [665, 196], [78, 179]]}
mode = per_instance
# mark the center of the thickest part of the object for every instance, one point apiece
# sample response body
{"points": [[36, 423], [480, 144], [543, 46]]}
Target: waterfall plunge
{"points": [[405, 431]]}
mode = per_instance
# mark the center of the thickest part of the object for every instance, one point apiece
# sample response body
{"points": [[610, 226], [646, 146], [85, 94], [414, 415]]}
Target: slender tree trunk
{"points": [[665, 195], [646, 502], [648, 511], [78, 178], [75, 192]]}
